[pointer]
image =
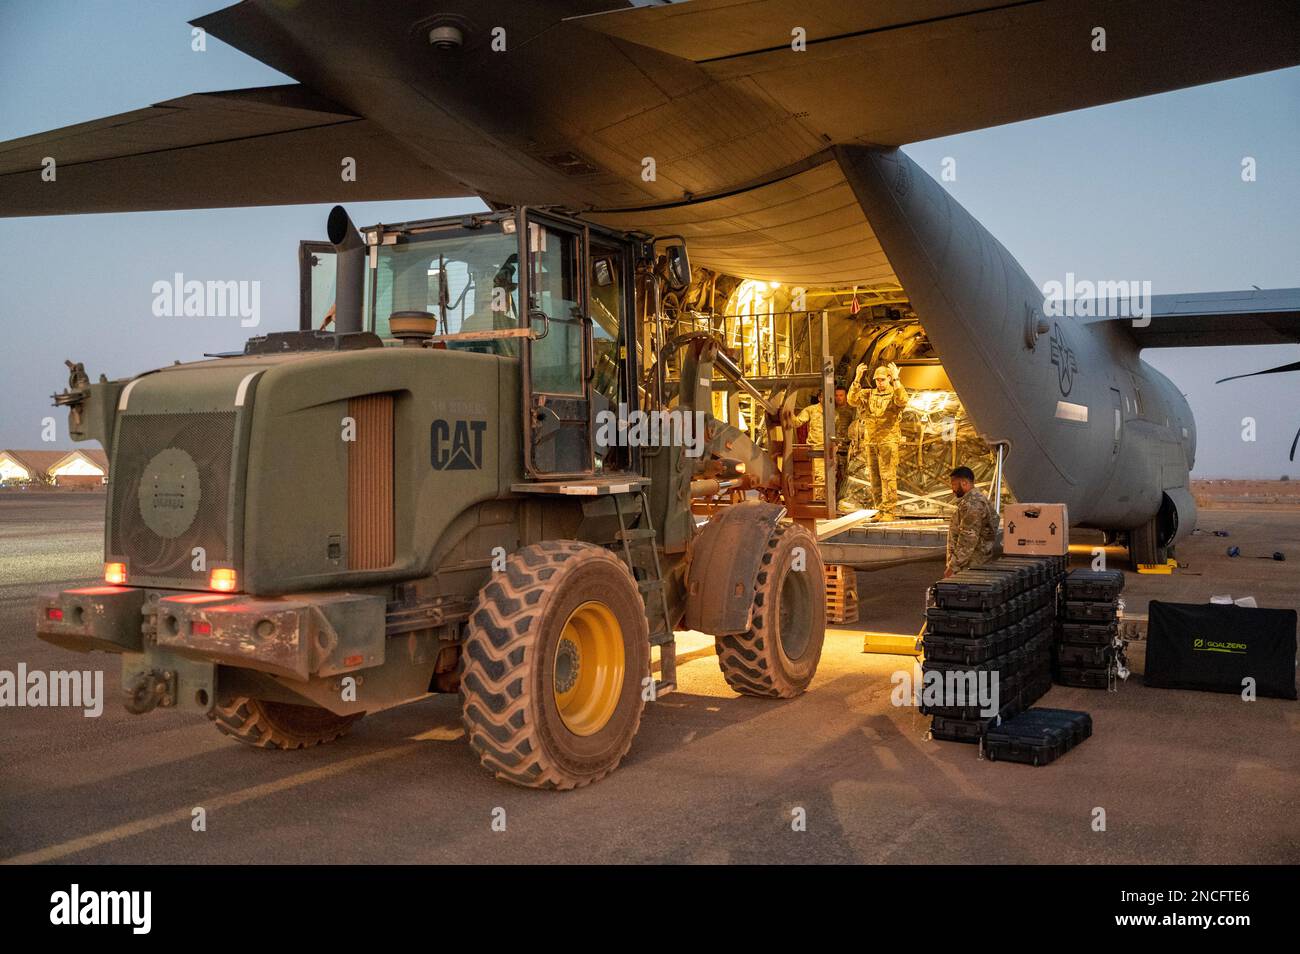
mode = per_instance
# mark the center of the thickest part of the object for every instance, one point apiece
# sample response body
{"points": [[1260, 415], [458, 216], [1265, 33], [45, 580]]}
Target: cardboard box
{"points": [[1035, 529]]}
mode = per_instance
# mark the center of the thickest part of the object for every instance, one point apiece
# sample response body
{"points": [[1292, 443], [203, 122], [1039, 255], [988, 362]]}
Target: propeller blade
{"points": [[1293, 444], [1293, 366]]}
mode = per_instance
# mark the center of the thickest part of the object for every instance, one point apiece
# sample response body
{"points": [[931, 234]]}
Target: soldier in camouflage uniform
{"points": [[844, 417], [812, 416], [973, 527], [882, 408]]}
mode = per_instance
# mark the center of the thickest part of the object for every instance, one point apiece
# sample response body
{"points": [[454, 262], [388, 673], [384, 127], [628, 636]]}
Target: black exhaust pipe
{"points": [[349, 276]]}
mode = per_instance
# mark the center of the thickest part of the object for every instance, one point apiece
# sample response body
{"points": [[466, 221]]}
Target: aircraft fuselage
{"points": [[1085, 421]]}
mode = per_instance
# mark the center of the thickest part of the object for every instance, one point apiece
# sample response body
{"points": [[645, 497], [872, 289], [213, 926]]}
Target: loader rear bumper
{"points": [[105, 618], [295, 637]]}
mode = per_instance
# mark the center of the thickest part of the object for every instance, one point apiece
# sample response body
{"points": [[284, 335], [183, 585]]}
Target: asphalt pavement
{"points": [[838, 775]]}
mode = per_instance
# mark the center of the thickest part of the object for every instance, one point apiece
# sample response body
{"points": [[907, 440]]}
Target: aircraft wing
{"points": [[563, 102], [891, 72], [210, 150], [1213, 319]]}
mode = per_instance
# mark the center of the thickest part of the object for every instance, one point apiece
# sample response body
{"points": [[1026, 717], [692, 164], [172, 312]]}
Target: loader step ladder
{"points": [[642, 558]]}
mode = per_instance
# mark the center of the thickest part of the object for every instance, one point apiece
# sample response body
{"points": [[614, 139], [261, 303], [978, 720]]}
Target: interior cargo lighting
{"points": [[224, 579], [54, 613], [115, 573], [200, 628]]}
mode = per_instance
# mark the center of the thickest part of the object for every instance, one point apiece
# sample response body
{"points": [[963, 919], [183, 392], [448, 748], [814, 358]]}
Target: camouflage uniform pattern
{"points": [[972, 531], [883, 415], [844, 418], [812, 416]]}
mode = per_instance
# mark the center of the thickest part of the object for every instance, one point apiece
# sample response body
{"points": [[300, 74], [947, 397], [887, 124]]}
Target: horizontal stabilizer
{"points": [[1210, 319]]}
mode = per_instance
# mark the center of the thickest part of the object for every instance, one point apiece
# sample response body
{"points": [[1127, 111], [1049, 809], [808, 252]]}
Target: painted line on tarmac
{"points": [[179, 815]]}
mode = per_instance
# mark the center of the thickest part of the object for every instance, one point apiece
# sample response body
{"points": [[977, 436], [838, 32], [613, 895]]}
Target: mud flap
{"points": [[724, 567]]}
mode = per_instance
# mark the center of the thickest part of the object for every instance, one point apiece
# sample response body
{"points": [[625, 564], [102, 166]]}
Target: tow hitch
{"points": [[146, 691]]}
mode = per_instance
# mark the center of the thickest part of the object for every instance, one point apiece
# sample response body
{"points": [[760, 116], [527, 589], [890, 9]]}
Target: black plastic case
{"points": [[1094, 634], [1083, 656], [963, 707], [968, 623], [958, 730], [1037, 736], [972, 730], [1083, 677], [1016, 577], [973, 590], [1040, 568], [942, 647], [1089, 611], [1102, 585], [1080, 723]]}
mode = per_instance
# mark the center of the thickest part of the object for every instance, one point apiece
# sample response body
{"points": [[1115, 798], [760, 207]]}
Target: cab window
{"points": [[469, 281]]}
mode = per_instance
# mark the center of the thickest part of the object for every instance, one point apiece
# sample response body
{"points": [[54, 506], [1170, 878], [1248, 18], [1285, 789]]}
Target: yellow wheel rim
{"points": [[589, 668]]}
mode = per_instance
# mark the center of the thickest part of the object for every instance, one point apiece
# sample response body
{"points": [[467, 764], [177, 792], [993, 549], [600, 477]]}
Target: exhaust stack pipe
{"points": [[349, 264]]}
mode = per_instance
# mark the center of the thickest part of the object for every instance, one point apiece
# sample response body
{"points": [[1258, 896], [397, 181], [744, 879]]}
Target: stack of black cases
{"points": [[998, 617], [1089, 619]]}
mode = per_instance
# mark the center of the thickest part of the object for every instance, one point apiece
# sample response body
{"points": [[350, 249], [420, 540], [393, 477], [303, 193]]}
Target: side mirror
{"points": [[679, 262], [679, 267]]}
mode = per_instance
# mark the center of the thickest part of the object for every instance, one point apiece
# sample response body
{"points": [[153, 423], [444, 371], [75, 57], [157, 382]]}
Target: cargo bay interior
{"points": [[769, 261]]}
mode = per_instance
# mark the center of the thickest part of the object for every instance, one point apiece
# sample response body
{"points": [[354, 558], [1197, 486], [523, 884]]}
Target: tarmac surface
{"points": [[1183, 777]]}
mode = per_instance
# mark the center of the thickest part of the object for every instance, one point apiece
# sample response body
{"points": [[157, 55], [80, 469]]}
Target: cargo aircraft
{"points": [[768, 134]]}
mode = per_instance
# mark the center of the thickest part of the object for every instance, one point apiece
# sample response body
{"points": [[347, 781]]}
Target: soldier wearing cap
{"points": [[973, 527], [882, 408]]}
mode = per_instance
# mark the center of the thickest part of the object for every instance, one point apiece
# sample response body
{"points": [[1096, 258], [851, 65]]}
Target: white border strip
{"points": [[126, 393], [242, 391]]}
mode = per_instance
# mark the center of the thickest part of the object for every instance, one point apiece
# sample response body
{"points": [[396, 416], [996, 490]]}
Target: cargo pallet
{"points": [[841, 594]]}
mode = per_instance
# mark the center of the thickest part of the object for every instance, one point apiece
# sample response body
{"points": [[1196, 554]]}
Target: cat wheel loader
{"points": [[449, 490]]}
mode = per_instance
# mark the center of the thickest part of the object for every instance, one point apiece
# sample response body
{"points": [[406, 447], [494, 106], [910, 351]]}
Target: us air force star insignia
{"points": [[1063, 358]]}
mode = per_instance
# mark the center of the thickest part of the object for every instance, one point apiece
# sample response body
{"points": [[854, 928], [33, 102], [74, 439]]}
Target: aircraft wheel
{"points": [[777, 657], [554, 664], [1143, 545], [278, 725]]}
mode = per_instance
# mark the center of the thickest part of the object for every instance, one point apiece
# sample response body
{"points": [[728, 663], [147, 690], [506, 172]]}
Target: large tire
{"points": [[278, 725], [777, 657], [553, 667], [1144, 546]]}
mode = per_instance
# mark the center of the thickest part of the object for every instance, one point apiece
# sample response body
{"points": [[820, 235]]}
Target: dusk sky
{"points": [[1149, 189]]}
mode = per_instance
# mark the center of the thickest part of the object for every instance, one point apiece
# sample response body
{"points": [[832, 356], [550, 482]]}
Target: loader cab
{"points": [[579, 360], [555, 293]]}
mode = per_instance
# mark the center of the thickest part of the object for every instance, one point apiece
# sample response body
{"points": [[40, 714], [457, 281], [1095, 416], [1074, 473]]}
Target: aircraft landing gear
{"points": [[1144, 545]]}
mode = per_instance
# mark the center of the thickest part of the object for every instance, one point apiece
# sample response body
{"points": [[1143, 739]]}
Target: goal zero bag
{"points": [[1216, 648]]}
